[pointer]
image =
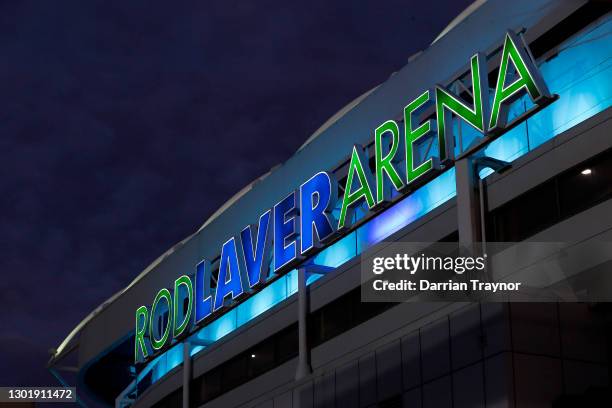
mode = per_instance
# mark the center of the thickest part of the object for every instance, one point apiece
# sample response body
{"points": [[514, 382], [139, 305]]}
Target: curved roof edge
{"points": [[57, 353], [329, 122], [460, 18], [336, 116], [235, 198]]}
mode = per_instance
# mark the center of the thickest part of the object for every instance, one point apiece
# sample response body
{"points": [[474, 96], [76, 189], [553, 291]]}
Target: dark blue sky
{"points": [[124, 124]]}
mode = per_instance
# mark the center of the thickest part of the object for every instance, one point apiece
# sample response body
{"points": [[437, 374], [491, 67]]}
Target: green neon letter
{"points": [[139, 342], [182, 281], [447, 103], [159, 343], [528, 78], [386, 160], [412, 135], [364, 191]]}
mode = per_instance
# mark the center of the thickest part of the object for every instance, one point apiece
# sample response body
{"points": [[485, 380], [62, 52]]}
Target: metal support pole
{"points": [[498, 166], [186, 372], [468, 203], [482, 193], [303, 367], [483, 213]]}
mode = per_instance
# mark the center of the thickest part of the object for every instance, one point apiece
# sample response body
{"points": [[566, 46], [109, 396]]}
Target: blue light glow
{"points": [[292, 282], [255, 305], [338, 253], [414, 206], [224, 324]]}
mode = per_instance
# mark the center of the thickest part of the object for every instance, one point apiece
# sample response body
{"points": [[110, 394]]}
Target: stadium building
{"points": [[499, 131]]}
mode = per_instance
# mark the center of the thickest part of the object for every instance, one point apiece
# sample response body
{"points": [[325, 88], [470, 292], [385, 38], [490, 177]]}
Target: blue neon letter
{"points": [[203, 299], [285, 229], [318, 197], [229, 282], [256, 250]]}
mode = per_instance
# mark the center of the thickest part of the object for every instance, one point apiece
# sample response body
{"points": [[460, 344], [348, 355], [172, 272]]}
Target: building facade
{"points": [[301, 335]]}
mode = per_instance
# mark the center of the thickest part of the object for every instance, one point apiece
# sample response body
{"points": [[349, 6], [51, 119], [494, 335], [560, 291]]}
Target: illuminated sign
{"points": [[303, 221]]}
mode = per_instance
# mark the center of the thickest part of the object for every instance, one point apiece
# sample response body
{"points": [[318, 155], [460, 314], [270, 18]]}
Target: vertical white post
{"points": [[303, 367], [468, 203], [186, 372]]}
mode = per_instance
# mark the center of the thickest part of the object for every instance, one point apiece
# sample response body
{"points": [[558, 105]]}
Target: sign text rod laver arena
{"points": [[303, 220]]}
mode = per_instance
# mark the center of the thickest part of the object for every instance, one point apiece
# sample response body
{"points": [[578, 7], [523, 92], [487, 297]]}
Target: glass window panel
{"points": [[261, 358], [586, 185], [287, 344], [233, 372], [536, 209]]}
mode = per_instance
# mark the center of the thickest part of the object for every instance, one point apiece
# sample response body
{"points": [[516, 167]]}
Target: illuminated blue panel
{"points": [[338, 253], [263, 300], [581, 74], [292, 282], [417, 204], [195, 350], [165, 362], [310, 279], [468, 134], [224, 324], [150, 367], [512, 144], [174, 357], [159, 368]]}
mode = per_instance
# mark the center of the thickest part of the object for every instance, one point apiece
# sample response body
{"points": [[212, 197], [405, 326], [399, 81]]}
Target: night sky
{"points": [[125, 124]]}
